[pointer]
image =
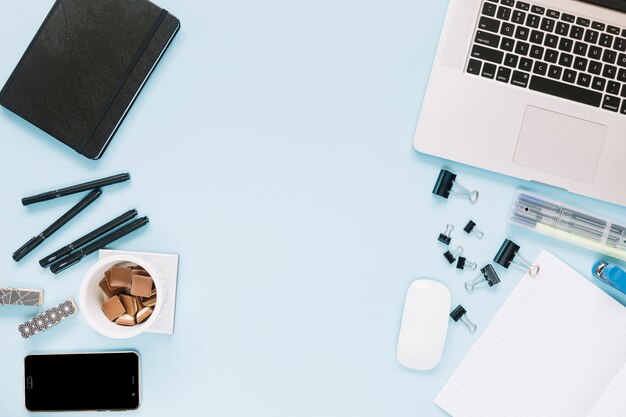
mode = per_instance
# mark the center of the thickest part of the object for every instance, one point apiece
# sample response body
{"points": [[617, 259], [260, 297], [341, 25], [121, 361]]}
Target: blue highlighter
{"points": [[610, 274]]}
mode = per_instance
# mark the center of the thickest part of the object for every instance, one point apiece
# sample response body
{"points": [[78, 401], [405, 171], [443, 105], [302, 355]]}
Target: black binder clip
{"points": [[459, 313], [451, 256], [487, 275], [470, 227], [447, 180], [463, 263], [445, 237], [508, 255]]}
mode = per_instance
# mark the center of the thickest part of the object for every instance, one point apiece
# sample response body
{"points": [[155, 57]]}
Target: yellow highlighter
{"points": [[569, 224]]}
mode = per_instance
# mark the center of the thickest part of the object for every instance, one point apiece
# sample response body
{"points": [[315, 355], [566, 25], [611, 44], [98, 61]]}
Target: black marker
{"points": [[63, 220], [78, 255], [89, 237], [79, 188]]}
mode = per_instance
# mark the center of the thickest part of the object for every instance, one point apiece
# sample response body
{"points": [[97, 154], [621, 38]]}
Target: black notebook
{"points": [[85, 66]]}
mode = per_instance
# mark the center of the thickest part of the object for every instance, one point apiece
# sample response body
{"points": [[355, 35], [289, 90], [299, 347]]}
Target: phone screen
{"points": [[83, 381]]}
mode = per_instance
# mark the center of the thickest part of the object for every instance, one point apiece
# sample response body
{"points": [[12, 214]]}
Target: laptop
{"points": [[534, 90]]}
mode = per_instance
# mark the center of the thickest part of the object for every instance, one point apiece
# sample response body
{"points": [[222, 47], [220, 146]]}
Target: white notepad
{"points": [[556, 348]]}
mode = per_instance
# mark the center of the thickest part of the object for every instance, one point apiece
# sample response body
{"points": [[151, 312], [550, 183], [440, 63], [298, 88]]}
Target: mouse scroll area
{"points": [[424, 325]]}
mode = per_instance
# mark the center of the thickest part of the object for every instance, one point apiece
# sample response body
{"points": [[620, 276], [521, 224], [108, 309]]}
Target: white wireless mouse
{"points": [[424, 325]]}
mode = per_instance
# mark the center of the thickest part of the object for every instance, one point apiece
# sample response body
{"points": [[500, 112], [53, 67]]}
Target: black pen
{"points": [[78, 255], [63, 220], [79, 188], [89, 237]]}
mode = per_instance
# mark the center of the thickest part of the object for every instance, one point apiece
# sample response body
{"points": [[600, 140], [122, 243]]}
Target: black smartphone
{"points": [[82, 381]]}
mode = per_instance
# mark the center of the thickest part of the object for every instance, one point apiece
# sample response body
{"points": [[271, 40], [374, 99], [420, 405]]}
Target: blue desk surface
{"points": [[271, 149]]}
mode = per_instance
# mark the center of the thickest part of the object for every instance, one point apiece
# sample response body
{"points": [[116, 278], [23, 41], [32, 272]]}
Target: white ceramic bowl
{"points": [[92, 297]]}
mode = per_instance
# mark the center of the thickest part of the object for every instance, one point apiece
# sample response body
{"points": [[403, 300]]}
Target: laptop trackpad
{"points": [[559, 144]]}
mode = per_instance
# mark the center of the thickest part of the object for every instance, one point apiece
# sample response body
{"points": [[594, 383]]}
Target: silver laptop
{"points": [[536, 90]]}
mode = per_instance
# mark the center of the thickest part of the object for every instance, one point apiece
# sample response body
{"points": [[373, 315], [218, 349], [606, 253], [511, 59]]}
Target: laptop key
{"points": [[620, 44], [609, 56], [522, 5], [566, 44], [562, 29], [555, 72], [489, 24], [611, 103], [504, 74], [568, 18], [504, 13], [487, 38], [591, 36], [580, 48], [525, 64], [507, 44], [566, 60], [507, 29], [518, 17], [606, 40], [508, 2], [551, 56], [577, 32], [536, 52], [595, 67], [547, 24], [489, 70], [521, 48], [583, 22], [569, 76], [613, 87], [609, 71], [580, 63], [595, 52], [511, 60], [566, 91], [623, 108], [533, 20], [623, 91], [598, 25], [621, 60], [584, 79], [521, 33], [613, 29], [489, 9], [621, 75], [540, 68], [538, 9], [554, 14], [598, 83], [551, 41], [536, 37], [520, 79], [487, 54]]}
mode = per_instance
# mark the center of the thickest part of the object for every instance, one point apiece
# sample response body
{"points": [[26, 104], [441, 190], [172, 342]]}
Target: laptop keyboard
{"points": [[552, 52]]}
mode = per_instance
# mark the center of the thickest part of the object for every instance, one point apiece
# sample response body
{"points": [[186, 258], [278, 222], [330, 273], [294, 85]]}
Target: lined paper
{"points": [[554, 349]]}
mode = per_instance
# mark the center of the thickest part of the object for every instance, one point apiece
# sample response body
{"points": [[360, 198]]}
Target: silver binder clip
{"points": [[470, 228], [463, 263], [445, 237], [487, 276], [451, 256], [508, 254], [459, 313], [446, 181]]}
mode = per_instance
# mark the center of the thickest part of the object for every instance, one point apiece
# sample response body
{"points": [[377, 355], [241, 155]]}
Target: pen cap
{"points": [[507, 252], [610, 274]]}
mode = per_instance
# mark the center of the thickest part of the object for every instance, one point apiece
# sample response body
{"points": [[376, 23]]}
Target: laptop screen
{"points": [[619, 5]]}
